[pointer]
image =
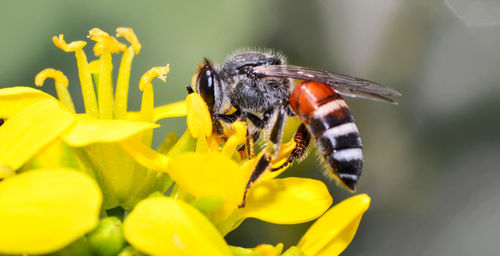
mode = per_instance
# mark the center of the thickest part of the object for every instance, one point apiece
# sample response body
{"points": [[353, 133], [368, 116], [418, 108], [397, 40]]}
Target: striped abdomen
{"points": [[332, 126]]}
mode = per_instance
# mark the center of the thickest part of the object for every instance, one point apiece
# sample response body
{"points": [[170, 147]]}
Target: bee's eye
{"points": [[206, 83]]}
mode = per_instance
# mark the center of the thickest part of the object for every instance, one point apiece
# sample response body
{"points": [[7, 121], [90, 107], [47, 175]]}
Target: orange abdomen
{"points": [[332, 126]]}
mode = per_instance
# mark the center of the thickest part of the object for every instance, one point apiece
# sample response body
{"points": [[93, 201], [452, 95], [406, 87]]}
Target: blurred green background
{"points": [[431, 163]]}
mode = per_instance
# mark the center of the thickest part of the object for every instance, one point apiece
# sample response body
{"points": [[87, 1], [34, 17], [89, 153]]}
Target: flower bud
{"points": [[107, 238]]}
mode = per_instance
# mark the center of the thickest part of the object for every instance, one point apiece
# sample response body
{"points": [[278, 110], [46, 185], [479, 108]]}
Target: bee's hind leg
{"points": [[302, 139]]}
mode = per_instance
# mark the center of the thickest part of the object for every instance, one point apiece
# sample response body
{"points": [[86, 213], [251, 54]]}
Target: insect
{"points": [[260, 87]]}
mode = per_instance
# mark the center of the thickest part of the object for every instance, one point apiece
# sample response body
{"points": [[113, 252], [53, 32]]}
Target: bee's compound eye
{"points": [[206, 83]]}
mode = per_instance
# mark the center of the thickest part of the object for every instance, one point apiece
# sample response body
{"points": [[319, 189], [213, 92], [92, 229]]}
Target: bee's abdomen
{"points": [[332, 126]]}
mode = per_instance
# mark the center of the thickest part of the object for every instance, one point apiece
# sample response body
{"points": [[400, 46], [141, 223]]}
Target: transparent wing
{"points": [[342, 84]]}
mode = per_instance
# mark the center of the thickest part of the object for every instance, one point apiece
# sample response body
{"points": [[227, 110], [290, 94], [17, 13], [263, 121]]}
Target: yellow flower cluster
{"points": [[67, 179]]}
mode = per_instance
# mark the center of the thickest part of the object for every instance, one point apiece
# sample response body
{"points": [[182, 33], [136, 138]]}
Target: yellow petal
{"points": [[333, 232], [30, 130], [166, 226], [287, 201], [144, 155], [15, 99], [210, 174], [175, 109], [44, 210], [88, 130], [198, 117]]}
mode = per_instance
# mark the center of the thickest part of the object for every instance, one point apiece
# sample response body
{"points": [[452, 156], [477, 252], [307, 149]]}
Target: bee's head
{"points": [[208, 85]]}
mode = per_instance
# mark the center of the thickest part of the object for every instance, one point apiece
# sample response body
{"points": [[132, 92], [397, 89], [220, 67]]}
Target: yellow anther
{"points": [[105, 41], [58, 76], [71, 47], [160, 72], [61, 83], [198, 117], [94, 66], [237, 136], [130, 36]]}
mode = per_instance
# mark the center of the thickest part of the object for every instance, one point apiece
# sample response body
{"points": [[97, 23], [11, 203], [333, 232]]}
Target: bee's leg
{"points": [[189, 89], [260, 124], [249, 145], [271, 151], [302, 139], [231, 118]]}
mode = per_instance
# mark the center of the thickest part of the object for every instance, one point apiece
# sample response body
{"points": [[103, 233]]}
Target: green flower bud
{"points": [[107, 238]]}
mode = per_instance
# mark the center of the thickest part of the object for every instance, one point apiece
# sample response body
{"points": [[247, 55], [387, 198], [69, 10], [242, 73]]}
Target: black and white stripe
{"points": [[338, 140]]}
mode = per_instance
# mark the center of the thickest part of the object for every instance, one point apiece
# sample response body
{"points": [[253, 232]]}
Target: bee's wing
{"points": [[342, 84]]}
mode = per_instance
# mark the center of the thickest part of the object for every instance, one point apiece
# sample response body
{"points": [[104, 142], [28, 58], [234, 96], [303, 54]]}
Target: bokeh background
{"points": [[432, 162]]}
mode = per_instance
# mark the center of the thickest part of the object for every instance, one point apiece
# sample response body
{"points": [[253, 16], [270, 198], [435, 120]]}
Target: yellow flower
{"points": [[61, 170], [218, 171], [102, 136], [46, 209]]}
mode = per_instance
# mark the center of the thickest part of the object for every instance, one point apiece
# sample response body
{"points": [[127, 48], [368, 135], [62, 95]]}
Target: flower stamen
{"points": [[198, 118], [130, 36], [238, 138], [122, 83], [105, 46], [105, 42], [88, 92], [61, 83], [147, 105]]}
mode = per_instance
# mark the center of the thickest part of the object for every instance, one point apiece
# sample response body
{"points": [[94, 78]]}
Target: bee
{"points": [[259, 89]]}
